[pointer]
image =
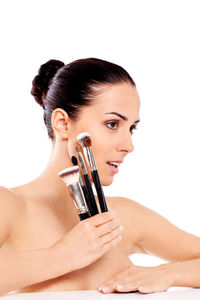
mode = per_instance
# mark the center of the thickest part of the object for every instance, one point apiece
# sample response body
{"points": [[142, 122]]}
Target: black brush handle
{"points": [[100, 194], [84, 216], [92, 202], [87, 199]]}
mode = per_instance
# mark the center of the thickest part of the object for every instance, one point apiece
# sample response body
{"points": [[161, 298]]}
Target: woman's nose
{"points": [[126, 144]]}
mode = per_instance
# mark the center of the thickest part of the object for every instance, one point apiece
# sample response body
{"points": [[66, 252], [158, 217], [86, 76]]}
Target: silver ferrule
{"points": [[81, 180], [82, 163], [78, 198], [90, 157]]}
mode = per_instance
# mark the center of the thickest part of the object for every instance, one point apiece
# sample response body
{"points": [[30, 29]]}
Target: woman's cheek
{"points": [[71, 147]]}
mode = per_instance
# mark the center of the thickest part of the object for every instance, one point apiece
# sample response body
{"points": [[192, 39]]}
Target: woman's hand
{"points": [[142, 279], [88, 241]]}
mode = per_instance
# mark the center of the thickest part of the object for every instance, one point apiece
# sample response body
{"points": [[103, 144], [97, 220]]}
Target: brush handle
{"points": [[100, 194], [84, 216], [85, 193], [87, 199], [91, 199]]}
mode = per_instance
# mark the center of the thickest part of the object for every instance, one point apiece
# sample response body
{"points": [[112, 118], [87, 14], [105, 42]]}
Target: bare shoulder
{"points": [[146, 229], [10, 208], [129, 211], [132, 210], [124, 207], [9, 197], [131, 215]]}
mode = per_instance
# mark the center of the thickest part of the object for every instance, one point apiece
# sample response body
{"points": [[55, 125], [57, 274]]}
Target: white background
{"points": [[157, 42]]}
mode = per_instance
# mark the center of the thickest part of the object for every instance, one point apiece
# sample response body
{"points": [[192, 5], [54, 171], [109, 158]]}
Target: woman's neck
{"points": [[48, 187], [49, 179]]}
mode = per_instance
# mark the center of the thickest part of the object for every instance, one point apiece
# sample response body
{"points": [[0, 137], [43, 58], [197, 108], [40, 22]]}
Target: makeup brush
{"points": [[70, 176], [84, 189], [85, 141], [91, 201]]}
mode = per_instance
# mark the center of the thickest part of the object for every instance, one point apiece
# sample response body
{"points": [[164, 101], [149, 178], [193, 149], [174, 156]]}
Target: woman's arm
{"points": [[78, 248], [22, 268], [184, 273], [84, 244], [155, 279], [155, 235]]}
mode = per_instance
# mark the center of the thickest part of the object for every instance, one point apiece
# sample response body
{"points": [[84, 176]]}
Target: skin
{"points": [[110, 141], [41, 211]]}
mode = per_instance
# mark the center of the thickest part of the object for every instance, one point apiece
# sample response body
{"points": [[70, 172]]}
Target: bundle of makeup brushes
{"points": [[80, 185]]}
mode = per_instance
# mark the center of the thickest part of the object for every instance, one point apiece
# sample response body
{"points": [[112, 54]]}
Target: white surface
{"points": [[172, 294]]}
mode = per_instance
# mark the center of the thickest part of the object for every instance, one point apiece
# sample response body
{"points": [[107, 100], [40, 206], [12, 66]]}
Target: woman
{"points": [[45, 247]]}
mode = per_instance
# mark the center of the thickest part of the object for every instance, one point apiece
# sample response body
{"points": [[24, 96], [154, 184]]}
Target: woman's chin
{"points": [[106, 182]]}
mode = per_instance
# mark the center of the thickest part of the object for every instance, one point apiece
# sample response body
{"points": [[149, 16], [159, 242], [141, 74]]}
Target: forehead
{"points": [[122, 98]]}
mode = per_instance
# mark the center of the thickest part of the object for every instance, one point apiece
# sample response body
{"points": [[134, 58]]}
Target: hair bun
{"points": [[41, 81]]}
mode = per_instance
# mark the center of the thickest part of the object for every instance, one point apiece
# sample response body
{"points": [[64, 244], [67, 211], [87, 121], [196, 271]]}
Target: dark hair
{"points": [[74, 85]]}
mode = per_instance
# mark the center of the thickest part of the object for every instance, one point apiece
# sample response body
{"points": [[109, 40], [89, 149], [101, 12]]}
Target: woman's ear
{"points": [[59, 123]]}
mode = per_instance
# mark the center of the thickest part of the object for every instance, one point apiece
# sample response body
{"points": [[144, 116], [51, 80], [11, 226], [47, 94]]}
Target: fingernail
{"points": [[119, 287], [103, 289], [142, 289]]}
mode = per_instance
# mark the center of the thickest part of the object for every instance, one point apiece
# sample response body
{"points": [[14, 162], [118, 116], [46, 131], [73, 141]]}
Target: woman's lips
{"points": [[113, 168]]}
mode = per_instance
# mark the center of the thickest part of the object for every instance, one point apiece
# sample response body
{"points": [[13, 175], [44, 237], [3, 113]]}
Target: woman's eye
{"points": [[132, 129], [112, 125]]}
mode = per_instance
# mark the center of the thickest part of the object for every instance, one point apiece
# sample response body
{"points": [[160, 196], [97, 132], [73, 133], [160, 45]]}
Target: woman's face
{"points": [[110, 121]]}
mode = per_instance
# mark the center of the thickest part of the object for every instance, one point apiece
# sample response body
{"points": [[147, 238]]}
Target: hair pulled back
{"points": [[73, 86]]}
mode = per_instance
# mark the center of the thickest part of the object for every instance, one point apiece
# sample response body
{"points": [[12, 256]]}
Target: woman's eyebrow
{"points": [[121, 116]]}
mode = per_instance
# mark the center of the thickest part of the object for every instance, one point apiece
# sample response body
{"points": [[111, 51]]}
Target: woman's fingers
{"points": [[107, 227], [142, 279], [109, 286], [89, 240], [106, 247], [101, 218], [110, 236]]}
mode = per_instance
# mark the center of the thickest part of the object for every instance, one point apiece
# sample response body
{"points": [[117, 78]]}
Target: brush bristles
{"points": [[78, 148], [87, 142], [70, 175], [84, 139]]}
